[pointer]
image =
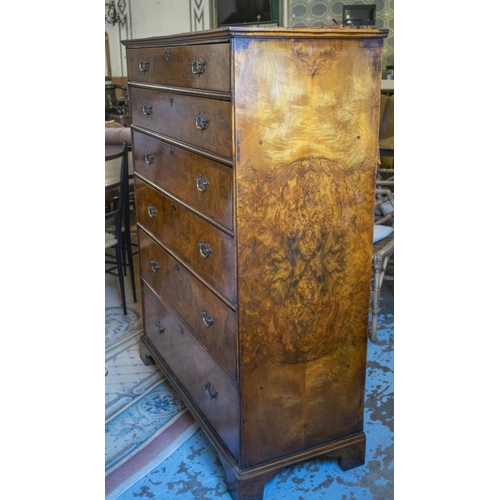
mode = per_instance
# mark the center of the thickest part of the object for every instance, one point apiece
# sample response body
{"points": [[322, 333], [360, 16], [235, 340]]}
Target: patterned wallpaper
{"points": [[311, 13], [321, 12], [199, 14]]}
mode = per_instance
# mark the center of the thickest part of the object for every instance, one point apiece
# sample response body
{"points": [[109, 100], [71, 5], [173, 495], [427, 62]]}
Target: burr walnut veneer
{"points": [[254, 158]]}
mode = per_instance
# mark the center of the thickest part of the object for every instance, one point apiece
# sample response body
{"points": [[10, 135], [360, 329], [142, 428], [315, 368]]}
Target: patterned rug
{"points": [[155, 450], [145, 419], [194, 471]]}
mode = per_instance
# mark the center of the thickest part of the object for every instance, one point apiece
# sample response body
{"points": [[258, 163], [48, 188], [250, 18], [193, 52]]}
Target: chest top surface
{"points": [[224, 34]]}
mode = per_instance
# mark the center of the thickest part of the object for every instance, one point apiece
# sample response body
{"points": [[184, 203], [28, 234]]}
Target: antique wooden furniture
{"points": [[254, 155], [383, 247], [117, 218]]}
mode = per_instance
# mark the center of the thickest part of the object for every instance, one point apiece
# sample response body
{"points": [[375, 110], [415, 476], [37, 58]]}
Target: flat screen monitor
{"points": [[359, 15], [242, 12]]}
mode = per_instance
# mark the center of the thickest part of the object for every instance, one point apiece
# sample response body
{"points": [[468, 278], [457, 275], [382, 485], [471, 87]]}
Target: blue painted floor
{"points": [[194, 471]]}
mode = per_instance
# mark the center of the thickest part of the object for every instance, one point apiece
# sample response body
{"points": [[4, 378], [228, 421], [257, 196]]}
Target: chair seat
{"points": [[381, 232], [386, 207], [109, 225], [110, 240]]}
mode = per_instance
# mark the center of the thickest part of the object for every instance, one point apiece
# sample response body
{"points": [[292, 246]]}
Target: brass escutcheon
{"points": [[143, 65], [198, 66], [202, 183], [210, 391], [201, 122], [207, 318], [149, 157], [205, 249]]}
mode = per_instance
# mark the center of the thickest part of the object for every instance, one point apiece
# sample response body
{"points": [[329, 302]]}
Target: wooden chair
{"points": [[383, 247], [386, 127], [383, 234], [117, 232], [386, 131]]}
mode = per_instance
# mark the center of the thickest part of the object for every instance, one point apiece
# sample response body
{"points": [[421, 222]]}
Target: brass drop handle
{"points": [[159, 327], [149, 157], [207, 318], [198, 66], [147, 109], [205, 249], [201, 122], [152, 211], [154, 266], [202, 183], [143, 65], [210, 391]]}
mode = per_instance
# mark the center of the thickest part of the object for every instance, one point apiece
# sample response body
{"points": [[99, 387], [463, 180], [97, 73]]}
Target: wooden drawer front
{"points": [[208, 386], [211, 321], [182, 117], [182, 66], [203, 183], [208, 250]]}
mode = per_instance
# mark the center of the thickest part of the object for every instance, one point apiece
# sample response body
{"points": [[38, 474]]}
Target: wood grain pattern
{"points": [[306, 150], [290, 284], [183, 232], [175, 346], [177, 170], [175, 69], [174, 115], [188, 298]]}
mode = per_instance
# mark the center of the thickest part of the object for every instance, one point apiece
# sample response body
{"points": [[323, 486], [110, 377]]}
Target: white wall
{"points": [[154, 18], [160, 17]]}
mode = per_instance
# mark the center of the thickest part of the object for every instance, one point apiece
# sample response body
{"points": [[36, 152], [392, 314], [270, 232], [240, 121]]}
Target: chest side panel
{"points": [[306, 121]]}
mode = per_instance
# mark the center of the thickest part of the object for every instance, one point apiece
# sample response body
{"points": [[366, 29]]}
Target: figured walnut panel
{"points": [[306, 148]]}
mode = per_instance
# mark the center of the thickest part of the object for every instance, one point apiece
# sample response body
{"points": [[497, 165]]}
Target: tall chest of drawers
{"points": [[254, 160]]}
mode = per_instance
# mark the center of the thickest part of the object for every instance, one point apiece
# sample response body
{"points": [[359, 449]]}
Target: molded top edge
{"points": [[226, 33]]}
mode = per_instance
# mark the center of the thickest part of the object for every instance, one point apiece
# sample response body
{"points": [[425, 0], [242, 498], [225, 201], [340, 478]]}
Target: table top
{"points": [[112, 151]]}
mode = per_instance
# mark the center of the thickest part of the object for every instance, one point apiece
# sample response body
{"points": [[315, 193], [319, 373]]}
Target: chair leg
{"points": [[119, 266], [379, 268], [124, 256], [131, 263]]}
